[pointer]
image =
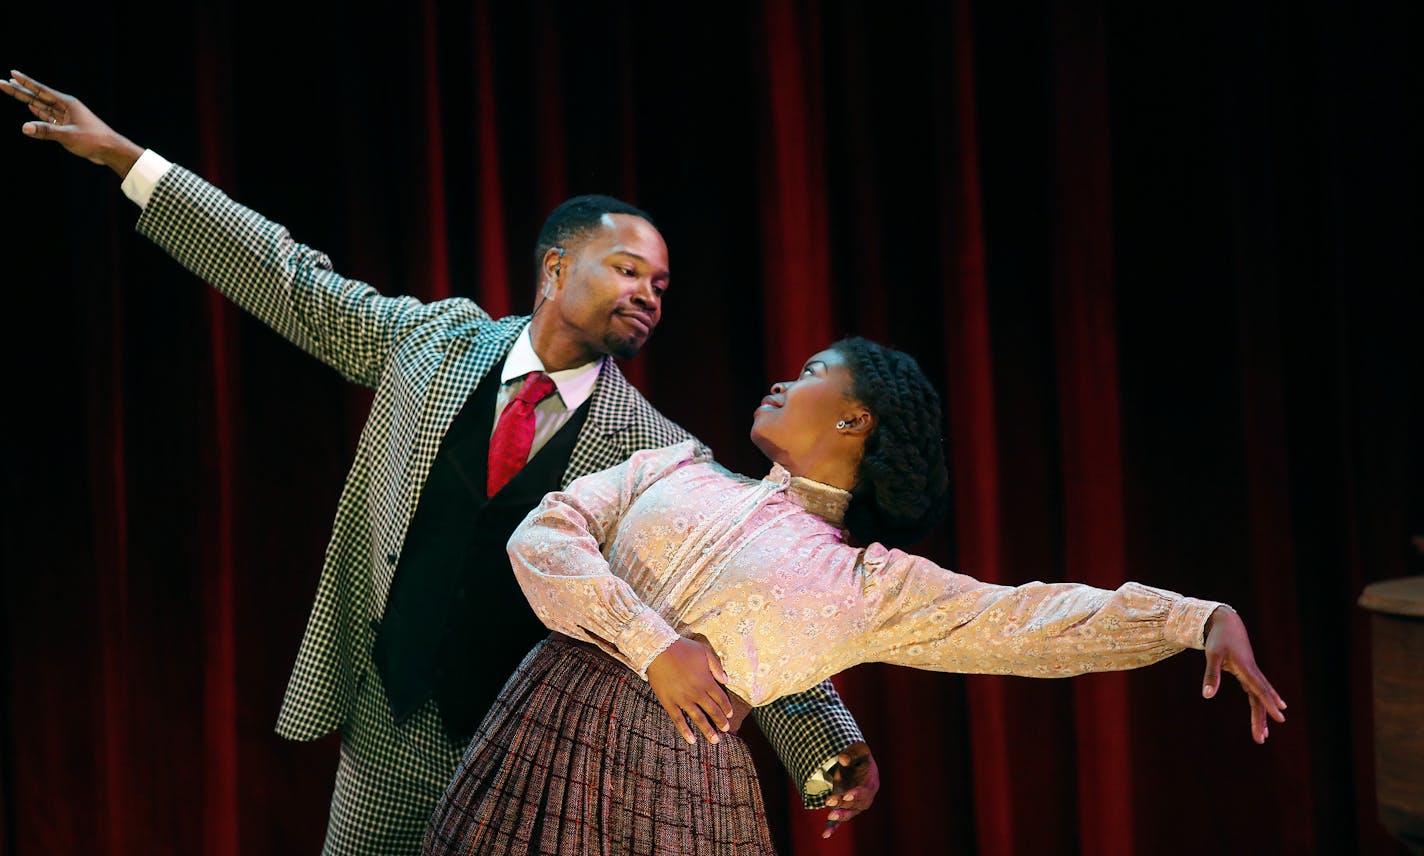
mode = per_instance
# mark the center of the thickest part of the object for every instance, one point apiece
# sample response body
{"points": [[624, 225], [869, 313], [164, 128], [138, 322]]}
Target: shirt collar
{"points": [[575, 385], [825, 501]]}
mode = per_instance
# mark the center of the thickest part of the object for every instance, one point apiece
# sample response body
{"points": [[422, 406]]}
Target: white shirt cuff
{"points": [[147, 170], [817, 783]]}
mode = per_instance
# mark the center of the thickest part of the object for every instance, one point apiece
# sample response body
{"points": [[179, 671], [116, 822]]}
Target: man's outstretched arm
{"points": [[255, 262]]}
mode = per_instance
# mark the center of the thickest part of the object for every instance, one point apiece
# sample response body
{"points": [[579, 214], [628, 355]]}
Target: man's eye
{"points": [[626, 271]]}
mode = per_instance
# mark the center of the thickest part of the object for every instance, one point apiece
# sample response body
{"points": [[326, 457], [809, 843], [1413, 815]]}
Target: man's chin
{"points": [[624, 348]]}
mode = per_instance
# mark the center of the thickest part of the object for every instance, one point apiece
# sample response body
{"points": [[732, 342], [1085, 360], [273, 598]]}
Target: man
{"points": [[417, 619]]}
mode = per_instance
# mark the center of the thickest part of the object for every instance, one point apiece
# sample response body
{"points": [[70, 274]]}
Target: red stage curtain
{"points": [[1160, 264]]}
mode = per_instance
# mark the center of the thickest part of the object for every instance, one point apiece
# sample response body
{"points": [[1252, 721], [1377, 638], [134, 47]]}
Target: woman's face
{"points": [[796, 423]]}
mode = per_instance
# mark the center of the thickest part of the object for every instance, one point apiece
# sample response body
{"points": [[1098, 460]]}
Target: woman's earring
{"points": [[842, 425]]}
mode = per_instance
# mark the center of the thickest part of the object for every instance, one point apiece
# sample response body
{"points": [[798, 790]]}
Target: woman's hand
{"points": [[687, 678], [65, 119], [1227, 647]]}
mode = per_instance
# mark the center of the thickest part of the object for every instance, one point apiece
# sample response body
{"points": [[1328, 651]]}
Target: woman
{"points": [[634, 563]]}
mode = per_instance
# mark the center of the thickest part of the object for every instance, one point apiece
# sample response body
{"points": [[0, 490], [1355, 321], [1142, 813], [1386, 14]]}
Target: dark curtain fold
{"points": [[1160, 262]]}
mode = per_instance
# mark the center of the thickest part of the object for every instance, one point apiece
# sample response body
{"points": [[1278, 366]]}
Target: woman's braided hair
{"points": [[902, 486]]}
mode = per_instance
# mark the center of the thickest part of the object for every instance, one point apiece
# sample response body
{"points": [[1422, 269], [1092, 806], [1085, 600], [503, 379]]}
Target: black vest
{"points": [[456, 623]]}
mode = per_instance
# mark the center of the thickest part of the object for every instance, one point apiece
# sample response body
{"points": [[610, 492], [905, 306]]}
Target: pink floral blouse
{"points": [[671, 543]]}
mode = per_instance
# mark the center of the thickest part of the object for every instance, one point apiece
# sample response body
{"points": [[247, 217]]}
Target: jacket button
{"points": [[391, 558]]}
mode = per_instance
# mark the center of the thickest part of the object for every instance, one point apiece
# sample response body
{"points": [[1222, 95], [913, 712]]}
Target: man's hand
{"points": [[855, 781], [687, 678], [1227, 647], [65, 119]]}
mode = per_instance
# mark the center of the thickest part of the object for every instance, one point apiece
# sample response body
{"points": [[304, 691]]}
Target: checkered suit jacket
{"points": [[423, 360]]}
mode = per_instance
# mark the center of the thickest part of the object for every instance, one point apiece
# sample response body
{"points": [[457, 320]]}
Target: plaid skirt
{"points": [[578, 757]]}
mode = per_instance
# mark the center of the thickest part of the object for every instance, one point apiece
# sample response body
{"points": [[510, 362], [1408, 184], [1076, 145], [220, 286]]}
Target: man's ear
{"points": [[551, 269]]}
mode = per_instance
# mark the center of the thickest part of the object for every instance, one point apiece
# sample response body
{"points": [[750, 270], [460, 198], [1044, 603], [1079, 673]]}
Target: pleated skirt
{"points": [[578, 757]]}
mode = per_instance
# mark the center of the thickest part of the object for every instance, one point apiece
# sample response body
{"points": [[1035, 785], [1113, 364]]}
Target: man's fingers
{"points": [[43, 130], [38, 90], [40, 110], [18, 92], [45, 113]]}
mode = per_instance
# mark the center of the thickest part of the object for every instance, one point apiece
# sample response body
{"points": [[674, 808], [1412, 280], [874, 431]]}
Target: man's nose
{"points": [[646, 297]]}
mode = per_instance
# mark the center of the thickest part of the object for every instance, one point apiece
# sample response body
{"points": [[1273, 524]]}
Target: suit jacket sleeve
{"points": [[289, 286], [808, 730]]}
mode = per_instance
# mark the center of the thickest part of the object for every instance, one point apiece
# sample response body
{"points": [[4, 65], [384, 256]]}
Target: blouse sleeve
{"points": [[557, 554], [932, 618]]}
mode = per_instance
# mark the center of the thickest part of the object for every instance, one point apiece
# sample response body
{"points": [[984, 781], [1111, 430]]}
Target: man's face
{"points": [[611, 291]]}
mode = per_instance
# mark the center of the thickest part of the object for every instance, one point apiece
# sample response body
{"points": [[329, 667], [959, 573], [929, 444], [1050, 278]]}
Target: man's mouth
{"points": [[641, 323]]}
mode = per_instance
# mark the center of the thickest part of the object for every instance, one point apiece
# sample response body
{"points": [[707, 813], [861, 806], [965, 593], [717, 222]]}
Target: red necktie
{"points": [[514, 434]]}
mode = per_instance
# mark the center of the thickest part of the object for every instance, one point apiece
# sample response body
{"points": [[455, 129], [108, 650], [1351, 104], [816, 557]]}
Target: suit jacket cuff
{"points": [[808, 730]]}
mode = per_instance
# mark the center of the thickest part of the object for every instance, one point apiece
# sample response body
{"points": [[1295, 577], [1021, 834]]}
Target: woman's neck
{"points": [[835, 471]]}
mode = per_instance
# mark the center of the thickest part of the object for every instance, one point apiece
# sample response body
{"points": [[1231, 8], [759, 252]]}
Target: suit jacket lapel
{"points": [[600, 444], [466, 361]]}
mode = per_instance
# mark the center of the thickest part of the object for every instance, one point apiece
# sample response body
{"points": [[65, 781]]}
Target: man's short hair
{"points": [[576, 218]]}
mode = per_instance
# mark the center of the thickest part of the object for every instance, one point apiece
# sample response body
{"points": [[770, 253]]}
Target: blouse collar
{"points": [[825, 501]]}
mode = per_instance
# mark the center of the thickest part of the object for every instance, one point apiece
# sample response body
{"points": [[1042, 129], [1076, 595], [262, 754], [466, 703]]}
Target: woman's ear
{"points": [[858, 422]]}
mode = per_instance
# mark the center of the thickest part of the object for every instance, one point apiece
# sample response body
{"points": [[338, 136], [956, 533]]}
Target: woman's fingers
{"points": [[1211, 681], [721, 709], [1258, 718], [686, 716], [714, 664], [1265, 701], [700, 719], [679, 721]]}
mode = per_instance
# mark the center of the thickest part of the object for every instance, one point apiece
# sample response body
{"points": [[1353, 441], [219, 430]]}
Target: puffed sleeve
{"points": [[928, 617], [557, 554]]}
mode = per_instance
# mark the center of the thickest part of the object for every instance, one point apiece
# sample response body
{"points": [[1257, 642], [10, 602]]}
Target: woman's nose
{"points": [[778, 388]]}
